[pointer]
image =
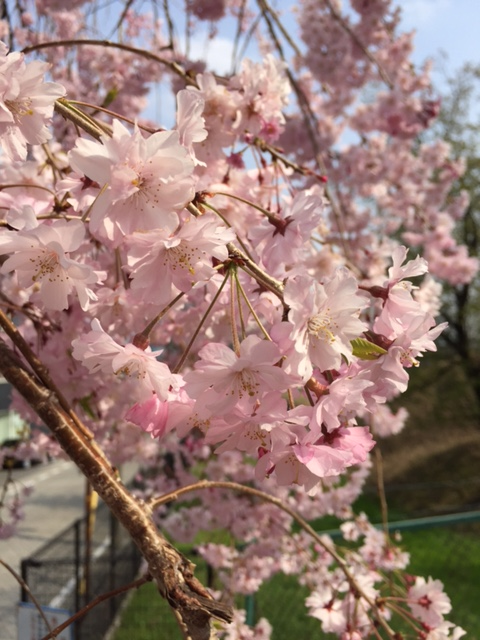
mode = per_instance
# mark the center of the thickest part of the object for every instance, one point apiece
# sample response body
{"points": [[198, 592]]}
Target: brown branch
{"points": [[80, 119], [25, 586], [173, 66], [40, 371], [172, 572], [96, 601]]}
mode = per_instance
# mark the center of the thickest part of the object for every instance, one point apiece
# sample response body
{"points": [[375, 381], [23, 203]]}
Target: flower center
{"points": [[46, 264], [181, 256], [19, 108], [246, 383], [133, 369], [320, 326]]}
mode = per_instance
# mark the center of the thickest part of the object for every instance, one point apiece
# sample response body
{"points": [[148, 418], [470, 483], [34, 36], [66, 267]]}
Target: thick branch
{"points": [[172, 572]]}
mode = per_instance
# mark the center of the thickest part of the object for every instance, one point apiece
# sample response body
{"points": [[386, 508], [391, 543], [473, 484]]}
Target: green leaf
{"points": [[366, 350]]}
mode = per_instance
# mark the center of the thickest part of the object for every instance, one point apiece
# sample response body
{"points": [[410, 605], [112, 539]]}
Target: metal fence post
{"points": [[113, 560], [78, 577], [24, 573]]}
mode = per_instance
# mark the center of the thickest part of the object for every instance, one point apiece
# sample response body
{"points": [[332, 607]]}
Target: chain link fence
{"points": [[74, 568]]}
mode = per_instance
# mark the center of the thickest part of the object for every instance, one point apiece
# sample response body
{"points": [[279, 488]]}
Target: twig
{"points": [[184, 356], [381, 489], [127, 6], [273, 285], [173, 66], [82, 120], [25, 586], [266, 8], [251, 491], [96, 601]]}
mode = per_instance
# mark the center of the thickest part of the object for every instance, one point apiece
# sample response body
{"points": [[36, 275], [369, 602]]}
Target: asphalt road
{"points": [[56, 502]]}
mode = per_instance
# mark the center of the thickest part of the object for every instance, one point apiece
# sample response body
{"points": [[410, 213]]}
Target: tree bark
{"points": [[172, 572]]}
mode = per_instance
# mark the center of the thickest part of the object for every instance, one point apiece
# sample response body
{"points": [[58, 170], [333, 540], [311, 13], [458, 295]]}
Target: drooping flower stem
{"points": [[154, 503], [200, 325]]}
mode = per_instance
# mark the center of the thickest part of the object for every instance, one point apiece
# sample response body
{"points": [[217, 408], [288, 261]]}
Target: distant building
{"points": [[10, 422]]}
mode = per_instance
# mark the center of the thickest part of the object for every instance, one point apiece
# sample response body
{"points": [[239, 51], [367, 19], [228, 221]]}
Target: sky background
{"points": [[449, 25], [447, 31]]}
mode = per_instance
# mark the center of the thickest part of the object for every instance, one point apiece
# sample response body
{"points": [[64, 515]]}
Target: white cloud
{"points": [[418, 13], [217, 52]]}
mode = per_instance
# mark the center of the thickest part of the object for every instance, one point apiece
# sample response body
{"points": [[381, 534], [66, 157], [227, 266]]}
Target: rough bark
{"points": [[172, 572]]}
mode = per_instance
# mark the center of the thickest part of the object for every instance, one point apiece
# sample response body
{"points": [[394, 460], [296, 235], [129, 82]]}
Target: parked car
{"points": [[17, 458]]}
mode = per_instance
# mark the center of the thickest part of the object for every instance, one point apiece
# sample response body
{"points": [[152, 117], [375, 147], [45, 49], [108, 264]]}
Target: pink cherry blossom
{"points": [[325, 318], [26, 103], [285, 409], [158, 417], [248, 432], [221, 378], [264, 89], [98, 352], [41, 257], [332, 453], [190, 123], [326, 607], [284, 238], [343, 400], [160, 260], [445, 631], [145, 181], [428, 601]]}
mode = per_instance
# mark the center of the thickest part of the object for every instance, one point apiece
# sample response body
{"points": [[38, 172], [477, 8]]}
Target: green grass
{"points": [[450, 554], [147, 617]]}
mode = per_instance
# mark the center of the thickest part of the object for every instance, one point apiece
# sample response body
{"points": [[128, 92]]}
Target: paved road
{"points": [[57, 500]]}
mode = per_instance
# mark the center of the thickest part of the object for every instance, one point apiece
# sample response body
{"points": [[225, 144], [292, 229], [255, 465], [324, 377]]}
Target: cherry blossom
{"points": [[285, 237], [276, 270], [145, 181], [428, 601], [157, 417], [328, 609], [41, 258], [26, 103], [100, 353], [190, 123], [159, 260], [325, 318], [221, 378]]}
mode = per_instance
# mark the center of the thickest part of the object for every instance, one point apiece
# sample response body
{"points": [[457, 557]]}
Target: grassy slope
{"points": [[440, 447]]}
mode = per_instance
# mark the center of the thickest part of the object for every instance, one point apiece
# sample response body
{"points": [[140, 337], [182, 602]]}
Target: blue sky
{"points": [[449, 25], [452, 26]]}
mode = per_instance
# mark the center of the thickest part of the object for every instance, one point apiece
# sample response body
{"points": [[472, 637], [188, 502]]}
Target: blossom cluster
{"points": [[205, 284]]}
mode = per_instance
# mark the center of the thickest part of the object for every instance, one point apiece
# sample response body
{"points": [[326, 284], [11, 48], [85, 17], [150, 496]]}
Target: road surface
{"points": [[56, 502]]}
